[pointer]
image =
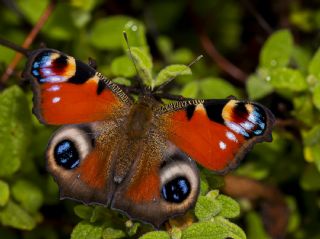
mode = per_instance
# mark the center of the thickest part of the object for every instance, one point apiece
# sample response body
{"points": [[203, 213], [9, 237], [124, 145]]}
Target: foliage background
{"points": [[273, 47]]}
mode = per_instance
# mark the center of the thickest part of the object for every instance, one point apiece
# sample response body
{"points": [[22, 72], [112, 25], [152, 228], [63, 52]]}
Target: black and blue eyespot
{"points": [[176, 190], [66, 154], [260, 119]]}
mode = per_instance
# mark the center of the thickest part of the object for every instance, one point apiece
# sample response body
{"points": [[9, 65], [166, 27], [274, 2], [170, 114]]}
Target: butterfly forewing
{"points": [[68, 91], [217, 133]]}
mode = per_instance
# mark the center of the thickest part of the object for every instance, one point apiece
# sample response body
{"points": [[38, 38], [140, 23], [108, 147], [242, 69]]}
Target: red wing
{"points": [[67, 91], [218, 133]]}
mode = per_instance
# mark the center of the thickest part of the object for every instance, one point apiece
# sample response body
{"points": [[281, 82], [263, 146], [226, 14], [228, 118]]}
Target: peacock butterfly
{"points": [[134, 155]]}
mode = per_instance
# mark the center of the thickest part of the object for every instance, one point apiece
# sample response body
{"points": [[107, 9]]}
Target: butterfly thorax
{"points": [[140, 117]]}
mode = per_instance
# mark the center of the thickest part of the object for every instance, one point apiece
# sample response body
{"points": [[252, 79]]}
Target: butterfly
{"points": [[136, 155]]}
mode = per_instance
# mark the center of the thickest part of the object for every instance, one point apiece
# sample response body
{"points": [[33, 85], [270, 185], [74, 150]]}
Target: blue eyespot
{"points": [[66, 154], [259, 120], [36, 65], [35, 72], [176, 190]]}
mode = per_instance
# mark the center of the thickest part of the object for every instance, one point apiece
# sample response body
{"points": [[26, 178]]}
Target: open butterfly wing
{"points": [[79, 159], [217, 133], [68, 91]]}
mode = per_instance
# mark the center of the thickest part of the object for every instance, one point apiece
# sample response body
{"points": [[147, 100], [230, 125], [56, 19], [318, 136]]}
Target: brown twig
{"points": [[274, 210], [207, 44], [262, 22], [29, 39], [294, 123], [222, 62]]}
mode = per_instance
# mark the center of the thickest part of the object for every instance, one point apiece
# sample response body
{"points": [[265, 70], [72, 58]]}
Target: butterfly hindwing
{"points": [[79, 158], [68, 91], [217, 133], [163, 183]]}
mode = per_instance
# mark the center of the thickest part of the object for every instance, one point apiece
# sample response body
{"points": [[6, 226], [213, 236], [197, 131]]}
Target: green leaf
{"points": [[164, 44], [310, 179], [288, 79], [302, 18], [216, 88], [80, 17], [213, 194], [171, 72], [204, 186], [314, 65], [14, 216], [206, 208], [123, 66], [28, 9], [303, 109], [277, 50], [181, 55], [295, 218], [100, 213], [255, 226], [175, 233], [301, 58], [217, 229], [144, 65], [316, 96], [107, 33], [136, 35], [202, 230], [4, 193], [254, 170], [314, 154], [82, 211], [230, 207], [191, 89], [60, 24], [312, 137], [85, 230], [86, 5], [122, 81], [15, 129], [30, 201], [7, 54], [110, 233], [257, 87], [133, 228], [155, 235], [233, 230]]}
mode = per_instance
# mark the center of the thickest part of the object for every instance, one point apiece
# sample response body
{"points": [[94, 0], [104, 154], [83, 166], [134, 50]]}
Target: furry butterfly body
{"points": [[135, 155]]}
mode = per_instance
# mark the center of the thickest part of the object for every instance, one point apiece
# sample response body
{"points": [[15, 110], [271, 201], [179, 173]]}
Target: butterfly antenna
{"points": [[171, 79], [141, 85], [15, 47]]}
